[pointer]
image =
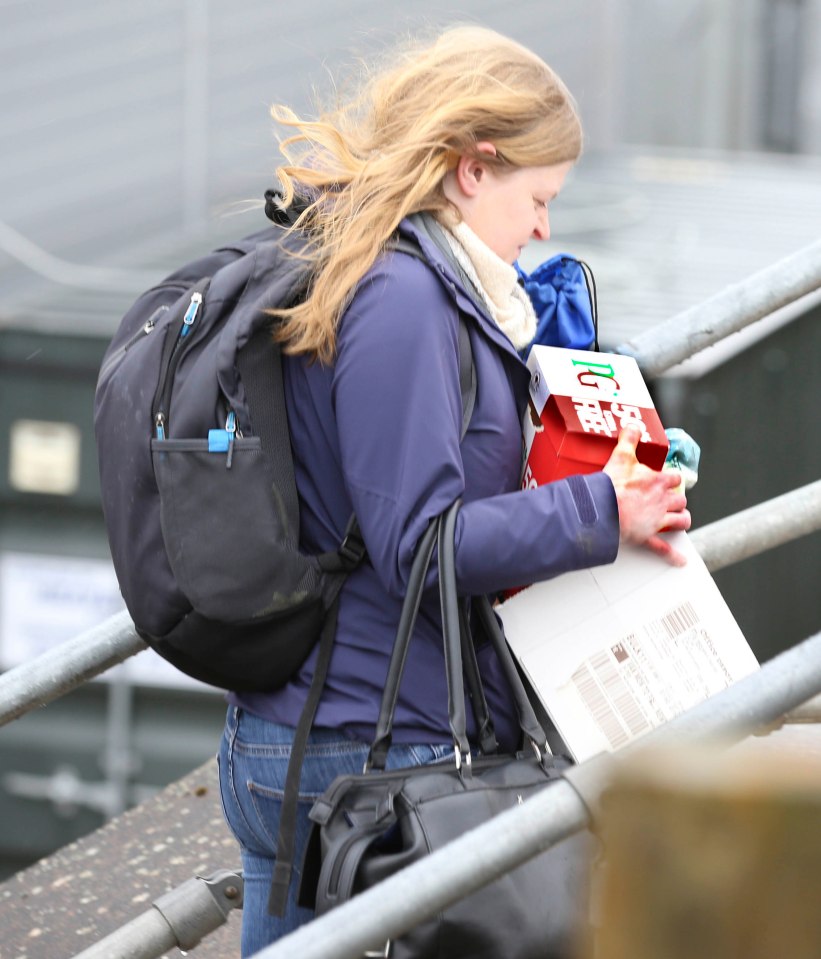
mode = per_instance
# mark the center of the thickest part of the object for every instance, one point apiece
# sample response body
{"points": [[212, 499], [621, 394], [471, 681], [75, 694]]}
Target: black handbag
{"points": [[368, 826]]}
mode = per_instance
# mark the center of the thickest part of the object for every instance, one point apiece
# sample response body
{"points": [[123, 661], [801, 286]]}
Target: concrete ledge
{"points": [[85, 891]]}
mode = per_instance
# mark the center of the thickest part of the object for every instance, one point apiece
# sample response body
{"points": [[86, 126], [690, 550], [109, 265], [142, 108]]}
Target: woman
{"points": [[478, 132]]}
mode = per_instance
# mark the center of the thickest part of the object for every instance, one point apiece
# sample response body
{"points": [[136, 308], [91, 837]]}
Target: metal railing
{"points": [[180, 919], [67, 666], [759, 528], [729, 311], [58, 671], [417, 893], [420, 891]]}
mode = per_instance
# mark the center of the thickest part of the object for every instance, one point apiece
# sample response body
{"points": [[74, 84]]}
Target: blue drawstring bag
{"points": [[563, 293]]}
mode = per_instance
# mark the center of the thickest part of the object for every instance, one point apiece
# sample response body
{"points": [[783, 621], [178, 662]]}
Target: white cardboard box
{"points": [[614, 651]]}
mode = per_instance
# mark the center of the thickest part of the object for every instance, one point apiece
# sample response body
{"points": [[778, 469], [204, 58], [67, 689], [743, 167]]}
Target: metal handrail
{"points": [[729, 311], [759, 528], [59, 670], [179, 919]]}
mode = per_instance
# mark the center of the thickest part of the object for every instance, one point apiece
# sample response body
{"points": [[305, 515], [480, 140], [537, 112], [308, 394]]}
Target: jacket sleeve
{"points": [[398, 410]]}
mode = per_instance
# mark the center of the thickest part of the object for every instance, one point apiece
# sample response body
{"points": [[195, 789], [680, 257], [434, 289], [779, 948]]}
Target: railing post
{"points": [[179, 919]]}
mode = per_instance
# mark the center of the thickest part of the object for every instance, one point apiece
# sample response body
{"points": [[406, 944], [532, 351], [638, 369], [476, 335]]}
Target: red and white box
{"points": [[579, 403]]}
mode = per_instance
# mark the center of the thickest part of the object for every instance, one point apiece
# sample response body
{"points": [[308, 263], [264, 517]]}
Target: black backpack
{"points": [[197, 480]]}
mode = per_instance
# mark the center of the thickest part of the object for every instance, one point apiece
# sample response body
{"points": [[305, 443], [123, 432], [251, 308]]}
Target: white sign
{"points": [[44, 457], [614, 651], [47, 600]]}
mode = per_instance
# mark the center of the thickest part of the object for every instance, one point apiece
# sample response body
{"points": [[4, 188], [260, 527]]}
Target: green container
{"points": [[49, 486], [53, 550]]}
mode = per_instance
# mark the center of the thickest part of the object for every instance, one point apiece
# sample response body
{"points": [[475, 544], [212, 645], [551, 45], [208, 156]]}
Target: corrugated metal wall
{"points": [[91, 99], [119, 119]]}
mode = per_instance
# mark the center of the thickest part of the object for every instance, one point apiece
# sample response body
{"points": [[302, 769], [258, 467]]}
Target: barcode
{"points": [[623, 699], [600, 709], [609, 699], [679, 620]]}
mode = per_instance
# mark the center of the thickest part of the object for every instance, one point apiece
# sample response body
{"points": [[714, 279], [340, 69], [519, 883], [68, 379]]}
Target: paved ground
{"points": [[68, 901]]}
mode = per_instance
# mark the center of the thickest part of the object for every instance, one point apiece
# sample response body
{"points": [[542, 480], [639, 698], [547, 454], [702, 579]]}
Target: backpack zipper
{"points": [[231, 429], [222, 440], [170, 368], [191, 314], [144, 330]]}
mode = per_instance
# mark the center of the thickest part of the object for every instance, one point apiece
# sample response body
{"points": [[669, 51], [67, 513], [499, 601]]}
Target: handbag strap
{"points": [[377, 755], [443, 528], [485, 732], [453, 641], [528, 721]]}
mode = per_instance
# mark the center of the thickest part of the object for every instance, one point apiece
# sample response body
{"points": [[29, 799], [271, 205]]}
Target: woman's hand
{"points": [[649, 501]]}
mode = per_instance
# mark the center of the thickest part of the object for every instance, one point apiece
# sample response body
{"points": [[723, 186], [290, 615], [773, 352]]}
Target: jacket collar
{"points": [[467, 300]]}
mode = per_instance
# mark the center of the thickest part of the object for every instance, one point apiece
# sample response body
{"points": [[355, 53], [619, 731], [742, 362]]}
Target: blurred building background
{"points": [[133, 135]]}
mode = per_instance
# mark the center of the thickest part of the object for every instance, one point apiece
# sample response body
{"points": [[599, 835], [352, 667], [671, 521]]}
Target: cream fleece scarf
{"points": [[497, 281]]}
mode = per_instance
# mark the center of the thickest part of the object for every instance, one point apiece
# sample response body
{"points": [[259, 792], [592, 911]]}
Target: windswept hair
{"points": [[384, 154]]}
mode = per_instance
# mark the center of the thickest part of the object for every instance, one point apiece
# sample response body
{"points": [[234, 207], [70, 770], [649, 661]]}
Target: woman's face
{"points": [[505, 209]]}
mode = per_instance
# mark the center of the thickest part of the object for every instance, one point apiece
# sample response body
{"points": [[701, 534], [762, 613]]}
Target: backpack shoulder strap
{"points": [[467, 369], [467, 375]]}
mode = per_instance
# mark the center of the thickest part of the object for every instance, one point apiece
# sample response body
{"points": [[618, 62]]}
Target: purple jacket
{"points": [[378, 434]]}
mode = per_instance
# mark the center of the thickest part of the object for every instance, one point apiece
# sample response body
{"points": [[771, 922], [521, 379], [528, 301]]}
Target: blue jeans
{"points": [[253, 762]]}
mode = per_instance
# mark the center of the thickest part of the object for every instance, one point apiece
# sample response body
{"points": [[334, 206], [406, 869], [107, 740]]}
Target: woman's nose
{"points": [[542, 229]]}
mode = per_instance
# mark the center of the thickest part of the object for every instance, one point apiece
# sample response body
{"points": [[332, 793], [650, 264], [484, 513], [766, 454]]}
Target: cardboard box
{"points": [[614, 651], [579, 403]]}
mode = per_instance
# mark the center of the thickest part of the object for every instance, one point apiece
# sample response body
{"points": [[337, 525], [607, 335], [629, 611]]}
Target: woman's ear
{"points": [[470, 169]]}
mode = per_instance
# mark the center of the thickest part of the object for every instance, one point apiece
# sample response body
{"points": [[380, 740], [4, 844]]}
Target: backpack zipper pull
{"points": [[159, 423], [191, 314], [231, 429], [222, 441]]}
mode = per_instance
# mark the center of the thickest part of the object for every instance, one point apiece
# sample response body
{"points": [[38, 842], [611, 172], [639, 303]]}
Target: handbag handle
{"points": [[449, 602], [485, 732], [443, 528], [528, 722], [377, 755]]}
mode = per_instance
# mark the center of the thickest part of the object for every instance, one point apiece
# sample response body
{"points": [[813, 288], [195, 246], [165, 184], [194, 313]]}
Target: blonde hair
{"points": [[383, 155]]}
